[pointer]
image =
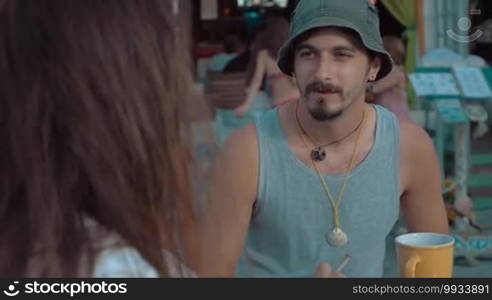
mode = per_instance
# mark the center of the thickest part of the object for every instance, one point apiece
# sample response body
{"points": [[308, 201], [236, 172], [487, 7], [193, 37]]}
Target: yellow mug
{"points": [[424, 254]]}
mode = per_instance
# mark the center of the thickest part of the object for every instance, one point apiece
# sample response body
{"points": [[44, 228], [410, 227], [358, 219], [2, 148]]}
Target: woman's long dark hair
{"points": [[91, 105]]}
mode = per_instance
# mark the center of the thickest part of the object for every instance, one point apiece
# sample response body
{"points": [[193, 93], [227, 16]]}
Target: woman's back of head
{"points": [[91, 128]]}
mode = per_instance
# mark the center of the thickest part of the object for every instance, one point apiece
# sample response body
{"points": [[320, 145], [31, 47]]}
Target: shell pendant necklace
{"points": [[336, 237]]}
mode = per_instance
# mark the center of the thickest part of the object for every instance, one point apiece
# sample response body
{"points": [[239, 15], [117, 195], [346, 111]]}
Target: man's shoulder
{"points": [[244, 135], [418, 158], [416, 144], [413, 133], [241, 144], [236, 169]]}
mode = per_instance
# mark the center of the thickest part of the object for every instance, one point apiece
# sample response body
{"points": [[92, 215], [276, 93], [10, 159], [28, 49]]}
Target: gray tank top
{"points": [[292, 215]]}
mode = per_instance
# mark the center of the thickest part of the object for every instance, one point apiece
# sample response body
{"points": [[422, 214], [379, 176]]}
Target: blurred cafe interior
{"points": [[457, 118]]}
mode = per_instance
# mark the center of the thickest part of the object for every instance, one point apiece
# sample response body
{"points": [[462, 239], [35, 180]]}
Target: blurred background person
{"points": [[240, 62], [234, 45], [229, 89], [263, 66], [94, 176], [390, 92]]}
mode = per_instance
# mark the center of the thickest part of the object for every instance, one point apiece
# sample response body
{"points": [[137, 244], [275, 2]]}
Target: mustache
{"points": [[320, 87]]}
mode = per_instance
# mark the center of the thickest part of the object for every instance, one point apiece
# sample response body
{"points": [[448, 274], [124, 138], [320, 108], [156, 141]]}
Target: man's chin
{"points": [[325, 115], [320, 111]]}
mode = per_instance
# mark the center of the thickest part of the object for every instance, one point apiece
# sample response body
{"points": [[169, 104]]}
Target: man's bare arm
{"points": [[227, 214], [421, 201]]}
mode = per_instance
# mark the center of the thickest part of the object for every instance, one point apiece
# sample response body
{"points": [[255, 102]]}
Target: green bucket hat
{"points": [[358, 15]]}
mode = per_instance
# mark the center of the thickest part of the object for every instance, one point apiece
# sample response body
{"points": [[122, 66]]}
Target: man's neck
{"points": [[323, 132]]}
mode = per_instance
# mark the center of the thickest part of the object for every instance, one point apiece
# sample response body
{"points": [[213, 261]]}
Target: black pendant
{"points": [[318, 154]]}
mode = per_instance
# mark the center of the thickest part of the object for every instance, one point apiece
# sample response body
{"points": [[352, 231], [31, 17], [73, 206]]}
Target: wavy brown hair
{"points": [[91, 127]]}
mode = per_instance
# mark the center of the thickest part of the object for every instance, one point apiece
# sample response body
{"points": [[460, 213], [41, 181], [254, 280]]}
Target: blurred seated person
{"points": [[390, 92], [239, 63], [234, 46], [226, 119], [263, 66]]}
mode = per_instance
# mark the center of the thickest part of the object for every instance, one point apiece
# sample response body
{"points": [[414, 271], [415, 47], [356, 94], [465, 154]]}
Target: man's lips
{"points": [[325, 92], [323, 89]]}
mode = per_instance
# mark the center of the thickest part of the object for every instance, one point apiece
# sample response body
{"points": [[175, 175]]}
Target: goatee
{"points": [[319, 113]]}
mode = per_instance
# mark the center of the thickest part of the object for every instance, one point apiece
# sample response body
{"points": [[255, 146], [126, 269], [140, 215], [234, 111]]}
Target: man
{"points": [[325, 176]]}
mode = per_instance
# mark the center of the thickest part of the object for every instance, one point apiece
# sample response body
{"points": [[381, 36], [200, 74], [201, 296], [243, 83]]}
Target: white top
{"points": [[117, 259], [127, 262]]}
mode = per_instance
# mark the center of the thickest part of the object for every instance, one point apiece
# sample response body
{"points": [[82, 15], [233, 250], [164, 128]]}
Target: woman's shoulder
{"points": [[115, 258], [122, 262], [128, 262]]}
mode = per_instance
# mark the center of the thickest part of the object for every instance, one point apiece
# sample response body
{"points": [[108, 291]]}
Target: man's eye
{"points": [[306, 53], [343, 54]]}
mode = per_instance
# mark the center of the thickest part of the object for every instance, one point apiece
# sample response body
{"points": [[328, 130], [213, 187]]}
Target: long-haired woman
{"points": [[94, 172]]}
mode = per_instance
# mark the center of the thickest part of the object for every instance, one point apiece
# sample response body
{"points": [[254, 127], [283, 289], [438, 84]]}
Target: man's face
{"points": [[332, 70]]}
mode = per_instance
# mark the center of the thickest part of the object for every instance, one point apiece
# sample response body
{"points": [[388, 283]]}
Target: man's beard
{"points": [[320, 113], [318, 110]]}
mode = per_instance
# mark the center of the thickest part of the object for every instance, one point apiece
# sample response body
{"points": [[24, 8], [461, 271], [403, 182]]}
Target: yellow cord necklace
{"points": [[337, 237]]}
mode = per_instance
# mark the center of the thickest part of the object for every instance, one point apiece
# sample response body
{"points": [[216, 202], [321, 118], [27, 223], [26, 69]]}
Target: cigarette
{"points": [[344, 262]]}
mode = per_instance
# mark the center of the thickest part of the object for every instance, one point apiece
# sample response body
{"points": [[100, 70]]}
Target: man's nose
{"points": [[326, 69]]}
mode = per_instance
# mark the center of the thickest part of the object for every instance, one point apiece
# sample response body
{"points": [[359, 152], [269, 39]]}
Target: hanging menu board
{"points": [[472, 82], [434, 84]]}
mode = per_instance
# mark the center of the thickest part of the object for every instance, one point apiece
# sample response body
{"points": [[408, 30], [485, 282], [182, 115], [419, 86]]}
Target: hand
{"points": [[324, 271], [241, 111]]}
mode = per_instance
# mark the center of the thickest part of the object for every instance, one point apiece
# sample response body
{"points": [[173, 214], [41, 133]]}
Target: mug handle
{"points": [[410, 266]]}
